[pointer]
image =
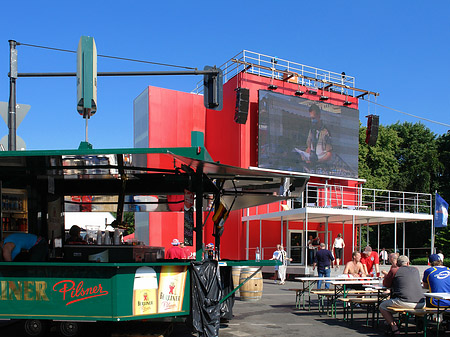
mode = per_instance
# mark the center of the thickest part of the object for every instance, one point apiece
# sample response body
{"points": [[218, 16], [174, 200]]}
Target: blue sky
{"points": [[399, 49]]}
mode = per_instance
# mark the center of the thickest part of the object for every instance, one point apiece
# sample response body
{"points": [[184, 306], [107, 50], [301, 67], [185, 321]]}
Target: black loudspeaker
{"points": [[242, 102], [372, 130]]}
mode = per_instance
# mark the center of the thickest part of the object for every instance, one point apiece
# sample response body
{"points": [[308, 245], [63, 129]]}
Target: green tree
{"points": [[405, 158], [418, 158], [127, 224], [378, 164], [443, 234]]}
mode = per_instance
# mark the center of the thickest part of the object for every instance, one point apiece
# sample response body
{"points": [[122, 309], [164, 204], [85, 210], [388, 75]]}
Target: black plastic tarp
{"points": [[226, 307], [206, 294]]}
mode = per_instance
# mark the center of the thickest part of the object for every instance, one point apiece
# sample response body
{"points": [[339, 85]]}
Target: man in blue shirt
{"points": [[14, 243], [323, 260], [437, 280]]}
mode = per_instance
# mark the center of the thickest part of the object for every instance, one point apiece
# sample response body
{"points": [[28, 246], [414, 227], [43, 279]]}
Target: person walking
{"points": [[323, 261], [338, 246]]}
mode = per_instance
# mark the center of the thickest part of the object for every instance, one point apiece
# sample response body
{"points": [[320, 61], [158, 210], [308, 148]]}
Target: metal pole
{"points": [[395, 235], [378, 238], [306, 241], [404, 239], [281, 240], [199, 215], [432, 222], [367, 234], [87, 130], [247, 241], [260, 237], [343, 236], [326, 232], [12, 95], [353, 233]]}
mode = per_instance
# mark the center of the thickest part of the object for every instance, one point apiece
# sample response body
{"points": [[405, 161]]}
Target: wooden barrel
{"points": [[236, 274], [253, 288]]}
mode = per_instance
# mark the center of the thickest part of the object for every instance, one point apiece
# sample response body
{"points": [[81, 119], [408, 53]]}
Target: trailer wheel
{"points": [[69, 329], [35, 327]]}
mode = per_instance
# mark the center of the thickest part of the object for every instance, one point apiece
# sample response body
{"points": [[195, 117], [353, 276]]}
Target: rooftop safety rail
{"points": [[356, 198], [281, 69], [359, 198]]}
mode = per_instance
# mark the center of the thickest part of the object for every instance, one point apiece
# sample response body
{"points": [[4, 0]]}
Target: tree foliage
{"points": [[407, 157]]}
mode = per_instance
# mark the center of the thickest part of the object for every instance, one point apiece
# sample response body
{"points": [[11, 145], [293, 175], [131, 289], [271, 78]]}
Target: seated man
{"points": [[406, 292], [354, 267], [387, 281], [437, 280], [13, 244]]}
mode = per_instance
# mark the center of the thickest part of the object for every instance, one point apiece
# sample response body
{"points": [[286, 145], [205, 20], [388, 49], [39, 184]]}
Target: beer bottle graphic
{"points": [[145, 291], [171, 288]]}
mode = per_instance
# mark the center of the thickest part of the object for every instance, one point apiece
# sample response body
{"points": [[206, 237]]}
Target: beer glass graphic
{"points": [[171, 288], [145, 291]]}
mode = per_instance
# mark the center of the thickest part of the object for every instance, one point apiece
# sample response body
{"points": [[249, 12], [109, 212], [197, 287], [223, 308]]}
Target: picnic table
{"points": [[308, 283], [341, 288], [439, 297]]}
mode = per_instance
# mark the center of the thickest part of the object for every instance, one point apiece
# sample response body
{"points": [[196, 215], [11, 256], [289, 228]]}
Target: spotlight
{"points": [[323, 98], [312, 92], [272, 87], [299, 93], [346, 103]]}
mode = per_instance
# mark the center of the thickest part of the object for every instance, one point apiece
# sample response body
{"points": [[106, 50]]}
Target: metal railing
{"points": [[357, 198], [324, 195], [276, 68]]}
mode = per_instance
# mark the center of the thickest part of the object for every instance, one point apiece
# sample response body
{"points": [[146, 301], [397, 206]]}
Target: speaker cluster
{"points": [[372, 129], [242, 103]]}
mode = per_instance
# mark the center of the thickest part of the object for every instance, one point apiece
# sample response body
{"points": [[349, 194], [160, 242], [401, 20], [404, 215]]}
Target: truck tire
{"points": [[35, 327], [69, 329]]}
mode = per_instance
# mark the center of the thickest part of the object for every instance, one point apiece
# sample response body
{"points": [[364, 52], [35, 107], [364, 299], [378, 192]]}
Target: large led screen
{"points": [[298, 134]]}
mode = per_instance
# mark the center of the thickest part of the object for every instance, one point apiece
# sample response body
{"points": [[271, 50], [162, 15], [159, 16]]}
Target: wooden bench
{"points": [[322, 294], [299, 293], [352, 301], [408, 312]]}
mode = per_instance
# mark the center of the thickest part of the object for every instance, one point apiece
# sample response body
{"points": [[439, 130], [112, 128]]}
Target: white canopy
{"points": [[89, 220]]}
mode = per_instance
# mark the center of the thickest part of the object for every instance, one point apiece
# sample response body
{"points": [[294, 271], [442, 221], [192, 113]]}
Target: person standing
{"points": [[338, 246], [277, 256], [441, 256], [406, 292], [323, 261], [311, 250], [186, 250], [283, 267], [175, 252], [437, 280], [369, 260], [384, 256], [14, 243]]}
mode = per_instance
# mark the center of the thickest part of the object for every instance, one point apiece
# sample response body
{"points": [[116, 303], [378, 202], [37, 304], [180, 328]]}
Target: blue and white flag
{"points": [[440, 212]]}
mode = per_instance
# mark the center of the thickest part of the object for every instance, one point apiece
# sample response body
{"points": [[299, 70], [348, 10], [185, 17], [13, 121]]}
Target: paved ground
{"points": [[274, 315]]}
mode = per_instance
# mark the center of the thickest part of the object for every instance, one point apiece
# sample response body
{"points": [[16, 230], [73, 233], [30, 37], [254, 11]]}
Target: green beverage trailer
{"points": [[38, 188]]}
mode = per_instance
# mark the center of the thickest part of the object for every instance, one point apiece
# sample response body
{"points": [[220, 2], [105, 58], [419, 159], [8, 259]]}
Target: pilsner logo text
{"points": [[76, 292], [23, 291]]}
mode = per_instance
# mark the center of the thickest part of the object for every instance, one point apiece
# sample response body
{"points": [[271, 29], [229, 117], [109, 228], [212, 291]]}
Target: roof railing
{"points": [[281, 69]]}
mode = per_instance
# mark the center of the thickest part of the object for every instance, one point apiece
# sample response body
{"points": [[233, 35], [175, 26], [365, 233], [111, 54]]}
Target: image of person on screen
{"points": [[318, 145]]}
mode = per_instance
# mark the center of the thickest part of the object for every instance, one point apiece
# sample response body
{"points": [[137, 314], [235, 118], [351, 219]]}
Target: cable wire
{"points": [[108, 56], [408, 114]]}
